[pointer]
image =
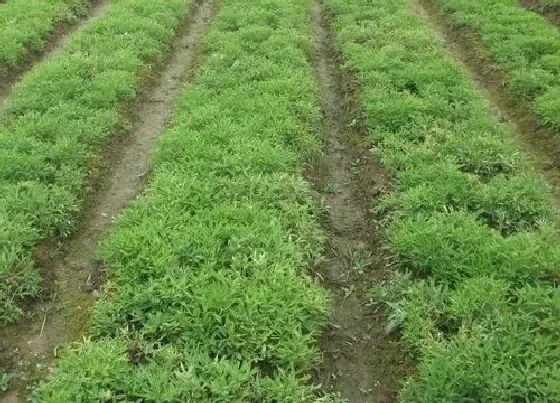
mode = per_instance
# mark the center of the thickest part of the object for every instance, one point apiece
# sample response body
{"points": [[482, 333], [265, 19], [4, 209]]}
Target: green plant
{"points": [[549, 3], [5, 382]]}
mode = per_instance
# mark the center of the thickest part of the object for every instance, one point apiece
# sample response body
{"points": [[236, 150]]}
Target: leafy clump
{"points": [[4, 382]]}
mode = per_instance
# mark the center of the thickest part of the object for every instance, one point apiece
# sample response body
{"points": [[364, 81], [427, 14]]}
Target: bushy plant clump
{"points": [[208, 298], [54, 123], [469, 221]]}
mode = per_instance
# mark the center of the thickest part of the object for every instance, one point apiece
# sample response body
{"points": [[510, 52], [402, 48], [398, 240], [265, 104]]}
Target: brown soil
{"points": [[542, 144], [28, 349], [54, 44], [361, 362], [551, 13]]}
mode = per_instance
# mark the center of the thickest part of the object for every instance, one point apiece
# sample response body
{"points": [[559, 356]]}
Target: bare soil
{"points": [[56, 41], [542, 144], [361, 362], [551, 13], [72, 275]]}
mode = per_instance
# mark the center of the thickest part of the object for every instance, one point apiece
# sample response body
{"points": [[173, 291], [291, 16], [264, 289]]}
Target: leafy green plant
{"points": [[4, 382], [549, 3]]}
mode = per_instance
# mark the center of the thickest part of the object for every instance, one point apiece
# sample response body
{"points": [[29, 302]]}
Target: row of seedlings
{"points": [[207, 297], [470, 225], [24, 26], [54, 123], [524, 46]]}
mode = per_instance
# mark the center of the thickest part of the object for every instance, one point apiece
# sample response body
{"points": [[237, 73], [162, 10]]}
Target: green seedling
{"points": [[5, 381], [332, 188]]}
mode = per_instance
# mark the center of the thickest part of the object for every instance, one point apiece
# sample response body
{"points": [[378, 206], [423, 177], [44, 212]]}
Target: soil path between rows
{"points": [[541, 144], [550, 13], [27, 350], [55, 44], [361, 362]]}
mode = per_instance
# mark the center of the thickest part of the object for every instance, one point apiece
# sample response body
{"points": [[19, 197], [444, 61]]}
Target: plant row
{"points": [[24, 25], [207, 297], [523, 46], [55, 121], [468, 223]]}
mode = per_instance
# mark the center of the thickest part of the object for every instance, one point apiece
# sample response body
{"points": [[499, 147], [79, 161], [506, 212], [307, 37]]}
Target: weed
{"points": [[4, 382], [332, 188], [549, 3], [359, 259]]}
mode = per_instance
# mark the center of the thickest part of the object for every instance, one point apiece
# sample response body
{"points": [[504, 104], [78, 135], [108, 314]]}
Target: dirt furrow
{"points": [[361, 361], [551, 13], [542, 144], [57, 41], [72, 274]]}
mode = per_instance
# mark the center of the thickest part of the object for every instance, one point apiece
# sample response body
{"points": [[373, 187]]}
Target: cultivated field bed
{"points": [[329, 174], [468, 221], [524, 46], [207, 296], [56, 120]]}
